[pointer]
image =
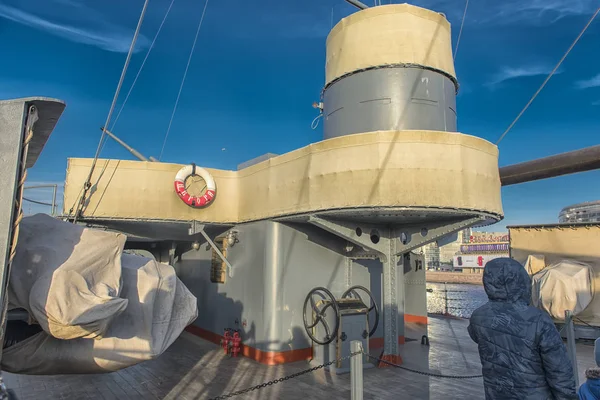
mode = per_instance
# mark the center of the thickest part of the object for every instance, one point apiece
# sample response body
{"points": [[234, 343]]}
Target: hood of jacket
{"points": [[505, 279], [591, 388]]}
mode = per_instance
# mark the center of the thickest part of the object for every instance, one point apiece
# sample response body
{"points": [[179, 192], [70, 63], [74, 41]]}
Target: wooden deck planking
{"points": [[193, 369]]}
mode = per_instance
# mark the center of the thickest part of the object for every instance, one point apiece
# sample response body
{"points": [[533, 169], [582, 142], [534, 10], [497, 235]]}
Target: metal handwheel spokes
{"points": [[353, 294], [321, 301]]}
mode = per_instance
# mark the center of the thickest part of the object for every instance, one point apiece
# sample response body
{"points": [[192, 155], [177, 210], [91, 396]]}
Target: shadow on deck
{"points": [[194, 369]]}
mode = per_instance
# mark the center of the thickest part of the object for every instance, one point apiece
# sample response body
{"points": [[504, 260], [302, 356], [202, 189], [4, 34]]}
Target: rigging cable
{"points": [[142, 65], [183, 81], [87, 184], [460, 30], [549, 76]]}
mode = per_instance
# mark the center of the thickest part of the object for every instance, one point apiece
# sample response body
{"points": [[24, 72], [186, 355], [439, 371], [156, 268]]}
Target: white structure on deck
{"points": [[582, 212]]}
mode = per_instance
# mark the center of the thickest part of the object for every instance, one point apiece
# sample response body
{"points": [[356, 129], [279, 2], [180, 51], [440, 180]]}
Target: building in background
{"points": [[441, 257], [448, 251], [480, 248], [582, 212], [431, 256], [472, 250]]}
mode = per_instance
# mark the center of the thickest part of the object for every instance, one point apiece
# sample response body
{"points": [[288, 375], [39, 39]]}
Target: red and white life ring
{"points": [[195, 201]]}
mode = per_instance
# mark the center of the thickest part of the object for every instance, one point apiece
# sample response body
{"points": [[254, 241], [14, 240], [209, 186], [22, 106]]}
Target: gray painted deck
{"points": [[193, 369]]}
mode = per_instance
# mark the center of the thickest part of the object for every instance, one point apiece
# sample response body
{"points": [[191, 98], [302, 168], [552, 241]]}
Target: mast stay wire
{"points": [[87, 183], [142, 65], [462, 24], [549, 76], [183, 80]]}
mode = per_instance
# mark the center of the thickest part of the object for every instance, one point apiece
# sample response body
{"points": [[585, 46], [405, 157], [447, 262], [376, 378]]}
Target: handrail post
{"points": [[445, 299], [55, 187], [356, 371], [571, 349]]}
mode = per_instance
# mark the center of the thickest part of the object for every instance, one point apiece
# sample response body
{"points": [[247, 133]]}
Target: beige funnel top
{"points": [[390, 34]]}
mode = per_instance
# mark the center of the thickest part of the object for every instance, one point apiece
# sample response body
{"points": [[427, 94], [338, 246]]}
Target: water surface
{"points": [[463, 299]]}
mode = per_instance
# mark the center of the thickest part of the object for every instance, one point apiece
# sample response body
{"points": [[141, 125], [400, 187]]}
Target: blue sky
{"points": [[259, 65]]}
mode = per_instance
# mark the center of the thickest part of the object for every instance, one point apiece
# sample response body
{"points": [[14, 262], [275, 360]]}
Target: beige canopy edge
{"points": [[377, 169]]}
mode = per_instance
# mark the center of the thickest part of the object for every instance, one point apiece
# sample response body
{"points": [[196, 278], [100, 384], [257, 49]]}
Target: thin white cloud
{"points": [[296, 21], [596, 103], [509, 73], [292, 23], [588, 83], [98, 32], [508, 12], [542, 10]]}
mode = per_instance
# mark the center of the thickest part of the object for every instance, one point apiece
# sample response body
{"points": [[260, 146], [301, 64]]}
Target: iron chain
{"points": [[425, 373], [285, 378], [313, 369], [583, 322]]}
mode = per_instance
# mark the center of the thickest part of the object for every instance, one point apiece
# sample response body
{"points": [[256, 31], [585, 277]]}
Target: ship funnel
{"points": [[389, 68]]}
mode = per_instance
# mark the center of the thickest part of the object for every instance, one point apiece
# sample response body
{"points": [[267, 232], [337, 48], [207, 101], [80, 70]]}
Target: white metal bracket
{"points": [[172, 251], [390, 243], [349, 232], [195, 228], [412, 237]]}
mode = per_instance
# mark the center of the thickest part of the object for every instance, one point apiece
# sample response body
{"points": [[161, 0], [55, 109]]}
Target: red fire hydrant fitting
{"points": [[226, 341], [236, 343]]}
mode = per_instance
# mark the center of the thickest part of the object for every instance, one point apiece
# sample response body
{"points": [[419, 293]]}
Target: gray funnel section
{"points": [[389, 98]]}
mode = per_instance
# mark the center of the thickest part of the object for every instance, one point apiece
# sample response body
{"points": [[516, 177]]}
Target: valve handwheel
{"points": [[321, 301], [353, 294]]}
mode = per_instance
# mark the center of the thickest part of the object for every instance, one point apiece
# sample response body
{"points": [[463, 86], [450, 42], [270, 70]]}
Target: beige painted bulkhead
{"points": [[375, 169], [555, 243]]}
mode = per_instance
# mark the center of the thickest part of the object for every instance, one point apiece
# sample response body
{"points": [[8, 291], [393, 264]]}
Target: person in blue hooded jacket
{"points": [[590, 390], [522, 354]]}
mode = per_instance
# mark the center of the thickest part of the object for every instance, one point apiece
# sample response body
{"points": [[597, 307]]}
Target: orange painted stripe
{"points": [[204, 334], [418, 319], [263, 357], [391, 358], [277, 357], [282, 357], [377, 343]]}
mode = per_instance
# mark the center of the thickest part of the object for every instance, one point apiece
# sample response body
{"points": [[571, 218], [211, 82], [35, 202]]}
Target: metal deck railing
{"points": [[52, 204], [450, 303], [357, 355]]}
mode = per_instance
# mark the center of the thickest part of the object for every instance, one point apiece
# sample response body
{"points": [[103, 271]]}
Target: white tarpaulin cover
{"points": [[67, 277], [565, 285], [535, 263], [117, 309]]}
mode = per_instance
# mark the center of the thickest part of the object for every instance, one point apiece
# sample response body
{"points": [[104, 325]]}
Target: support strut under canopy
{"points": [[389, 243]]}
